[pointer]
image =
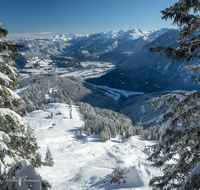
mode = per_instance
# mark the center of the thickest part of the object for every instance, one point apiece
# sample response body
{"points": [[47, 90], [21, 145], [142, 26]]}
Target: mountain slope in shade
{"points": [[145, 72]]}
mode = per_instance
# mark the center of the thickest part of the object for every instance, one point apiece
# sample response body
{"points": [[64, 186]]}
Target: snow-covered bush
{"points": [[119, 175], [135, 176]]}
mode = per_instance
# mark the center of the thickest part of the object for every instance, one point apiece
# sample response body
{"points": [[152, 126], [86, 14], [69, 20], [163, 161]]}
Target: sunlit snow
{"points": [[83, 162], [116, 93]]}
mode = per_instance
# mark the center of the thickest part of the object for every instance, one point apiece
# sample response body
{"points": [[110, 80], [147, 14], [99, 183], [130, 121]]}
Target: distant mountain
{"points": [[113, 46], [145, 72], [135, 69]]}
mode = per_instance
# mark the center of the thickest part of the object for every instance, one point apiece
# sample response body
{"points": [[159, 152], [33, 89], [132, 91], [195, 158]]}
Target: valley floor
{"points": [[82, 162]]}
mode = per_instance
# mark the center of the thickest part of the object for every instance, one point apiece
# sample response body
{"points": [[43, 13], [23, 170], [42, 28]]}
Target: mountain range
{"points": [[112, 46], [119, 60], [147, 72], [136, 69]]}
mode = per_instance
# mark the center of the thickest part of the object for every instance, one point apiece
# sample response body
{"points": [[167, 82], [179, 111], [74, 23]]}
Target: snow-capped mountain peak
{"points": [[68, 50]]}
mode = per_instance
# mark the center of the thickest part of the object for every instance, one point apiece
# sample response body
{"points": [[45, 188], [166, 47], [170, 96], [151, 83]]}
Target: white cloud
{"points": [[28, 35]]}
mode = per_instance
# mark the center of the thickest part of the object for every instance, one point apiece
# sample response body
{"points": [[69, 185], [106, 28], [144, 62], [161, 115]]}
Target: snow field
{"points": [[116, 93], [82, 162]]}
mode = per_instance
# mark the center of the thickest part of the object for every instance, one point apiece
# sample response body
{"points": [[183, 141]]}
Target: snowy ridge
{"points": [[122, 34]]}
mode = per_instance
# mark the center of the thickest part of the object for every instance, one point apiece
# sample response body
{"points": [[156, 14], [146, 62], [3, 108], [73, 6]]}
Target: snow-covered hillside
{"points": [[83, 162]]}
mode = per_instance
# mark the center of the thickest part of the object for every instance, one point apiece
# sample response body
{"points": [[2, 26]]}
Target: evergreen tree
{"points": [[70, 114], [180, 129], [49, 159], [129, 132], [107, 133], [88, 132], [103, 136], [18, 144], [81, 130], [121, 130], [139, 129], [43, 107], [113, 131]]}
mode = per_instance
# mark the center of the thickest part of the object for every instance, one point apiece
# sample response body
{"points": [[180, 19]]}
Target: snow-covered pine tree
{"points": [[88, 132], [129, 132], [113, 131], [57, 100], [103, 136], [107, 132], [49, 159], [178, 154], [121, 130], [18, 153], [43, 107], [139, 129], [81, 130]]}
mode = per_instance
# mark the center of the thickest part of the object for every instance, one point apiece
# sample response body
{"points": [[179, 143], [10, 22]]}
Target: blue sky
{"points": [[40, 18]]}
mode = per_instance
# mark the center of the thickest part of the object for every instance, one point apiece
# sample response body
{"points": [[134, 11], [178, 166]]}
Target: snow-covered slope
{"points": [[83, 162]]}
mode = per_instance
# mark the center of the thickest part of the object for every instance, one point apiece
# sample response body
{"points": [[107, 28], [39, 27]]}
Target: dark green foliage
{"points": [[118, 175], [178, 153], [189, 37], [180, 138]]}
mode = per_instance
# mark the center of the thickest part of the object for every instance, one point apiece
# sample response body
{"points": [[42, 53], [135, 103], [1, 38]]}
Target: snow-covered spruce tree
{"points": [[178, 154], [49, 159], [43, 107], [88, 132], [18, 152]]}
